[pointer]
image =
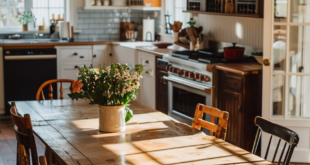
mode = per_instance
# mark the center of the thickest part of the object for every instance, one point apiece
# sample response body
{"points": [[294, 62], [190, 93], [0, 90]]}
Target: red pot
{"points": [[234, 52]]}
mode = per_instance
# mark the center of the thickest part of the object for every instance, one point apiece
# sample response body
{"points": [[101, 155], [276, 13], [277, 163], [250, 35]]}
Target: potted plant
{"points": [[24, 18], [112, 89]]}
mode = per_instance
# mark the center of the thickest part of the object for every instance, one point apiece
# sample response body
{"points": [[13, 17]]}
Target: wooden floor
{"points": [[8, 144]]}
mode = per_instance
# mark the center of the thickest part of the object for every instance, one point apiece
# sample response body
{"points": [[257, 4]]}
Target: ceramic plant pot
{"points": [[112, 118]]}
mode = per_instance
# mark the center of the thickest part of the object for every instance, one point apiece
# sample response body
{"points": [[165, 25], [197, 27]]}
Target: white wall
{"points": [[241, 30], [79, 3]]}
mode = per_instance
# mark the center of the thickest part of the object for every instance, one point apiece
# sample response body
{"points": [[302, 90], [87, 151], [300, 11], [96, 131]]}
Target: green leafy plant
{"points": [[191, 22], [112, 86], [25, 17]]}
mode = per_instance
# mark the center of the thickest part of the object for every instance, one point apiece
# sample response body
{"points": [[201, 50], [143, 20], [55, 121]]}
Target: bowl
{"points": [[259, 59], [162, 44]]}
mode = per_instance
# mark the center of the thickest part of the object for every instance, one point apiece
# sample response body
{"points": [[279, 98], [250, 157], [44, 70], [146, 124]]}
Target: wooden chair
{"points": [[220, 129], [50, 88], [42, 160], [288, 136], [25, 138]]}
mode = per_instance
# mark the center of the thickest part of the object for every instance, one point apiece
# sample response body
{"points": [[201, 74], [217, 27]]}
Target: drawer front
{"points": [[75, 55], [231, 81]]}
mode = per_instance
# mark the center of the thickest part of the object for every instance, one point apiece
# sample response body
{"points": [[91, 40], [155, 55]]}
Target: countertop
{"points": [[161, 51], [10, 43], [238, 68]]}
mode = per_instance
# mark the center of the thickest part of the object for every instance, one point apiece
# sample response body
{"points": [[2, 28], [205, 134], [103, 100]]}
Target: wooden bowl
{"points": [[162, 44]]}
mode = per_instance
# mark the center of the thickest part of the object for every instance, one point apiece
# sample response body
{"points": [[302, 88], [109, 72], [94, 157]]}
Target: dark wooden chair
{"points": [[25, 138], [220, 129], [288, 136], [50, 88]]}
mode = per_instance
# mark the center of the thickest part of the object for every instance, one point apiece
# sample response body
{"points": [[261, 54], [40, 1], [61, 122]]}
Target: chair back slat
{"points": [[220, 129], [61, 91], [280, 158], [24, 136], [50, 92], [276, 151], [288, 136], [42, 95], [50, 88], [267, 150], [256, 142]]}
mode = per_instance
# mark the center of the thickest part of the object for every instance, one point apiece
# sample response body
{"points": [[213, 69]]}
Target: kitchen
{"points": [[61, 36]]}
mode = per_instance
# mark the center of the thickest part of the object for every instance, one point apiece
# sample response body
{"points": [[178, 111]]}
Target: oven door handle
{"points": [[30, 57], [182, 82]]}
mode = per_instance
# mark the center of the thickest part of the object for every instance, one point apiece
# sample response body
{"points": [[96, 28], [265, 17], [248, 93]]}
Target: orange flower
{"points": [[76, 86]]}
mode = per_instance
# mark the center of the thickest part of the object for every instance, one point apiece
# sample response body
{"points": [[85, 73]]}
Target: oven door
{"points": [[183, 97]]}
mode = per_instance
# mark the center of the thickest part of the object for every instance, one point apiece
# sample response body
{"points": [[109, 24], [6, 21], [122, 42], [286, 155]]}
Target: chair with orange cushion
{"points": [[220, 129], [50, 88]]}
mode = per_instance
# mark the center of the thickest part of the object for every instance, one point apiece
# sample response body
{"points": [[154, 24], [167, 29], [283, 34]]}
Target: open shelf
{"points": [[223, 14], [143, 8]]}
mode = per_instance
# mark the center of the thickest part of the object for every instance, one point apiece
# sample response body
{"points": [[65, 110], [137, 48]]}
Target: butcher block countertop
{"points": [[11, 44], [237, 68]]}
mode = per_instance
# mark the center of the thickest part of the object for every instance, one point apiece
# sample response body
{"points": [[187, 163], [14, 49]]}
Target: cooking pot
{"points": [[234, 52]]}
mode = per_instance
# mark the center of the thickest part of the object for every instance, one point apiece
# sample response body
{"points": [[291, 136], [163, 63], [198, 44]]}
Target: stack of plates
{"points": [[119, 2]]}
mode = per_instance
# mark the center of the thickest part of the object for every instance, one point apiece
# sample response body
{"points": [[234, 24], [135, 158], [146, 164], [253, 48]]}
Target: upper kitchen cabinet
{"points": [[144, 5], [237, 8]]}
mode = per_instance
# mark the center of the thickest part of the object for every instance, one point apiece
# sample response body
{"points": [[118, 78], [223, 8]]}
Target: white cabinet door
{"points": [[100, 56], [147, 94], [123, 55], [67, 72], [1, 84]]}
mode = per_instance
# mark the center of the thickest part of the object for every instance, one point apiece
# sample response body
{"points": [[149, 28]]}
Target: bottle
{"points": [[197, 44], [52, 27]]}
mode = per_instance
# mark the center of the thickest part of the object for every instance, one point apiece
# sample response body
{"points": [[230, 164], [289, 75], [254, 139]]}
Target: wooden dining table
{"points": [[70, 129]]}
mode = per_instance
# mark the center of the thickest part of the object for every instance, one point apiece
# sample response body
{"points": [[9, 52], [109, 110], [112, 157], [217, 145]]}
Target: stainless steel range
{"points": [[190, 83]]}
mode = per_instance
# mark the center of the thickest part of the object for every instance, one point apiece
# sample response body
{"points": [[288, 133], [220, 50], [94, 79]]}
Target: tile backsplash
{"points": [[105, 24]]}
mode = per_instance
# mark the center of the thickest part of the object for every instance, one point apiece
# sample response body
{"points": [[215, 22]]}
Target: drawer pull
{"points": [[75, 54], [95, 56], [81, 56], [76, 66], [236, 83]]}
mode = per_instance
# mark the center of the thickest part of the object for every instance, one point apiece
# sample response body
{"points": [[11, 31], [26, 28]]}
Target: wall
{"points": [[241, 30], [105, 24]]}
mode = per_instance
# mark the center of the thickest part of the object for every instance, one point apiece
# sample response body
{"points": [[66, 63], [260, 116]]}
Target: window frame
{"points": [[69, 6]]}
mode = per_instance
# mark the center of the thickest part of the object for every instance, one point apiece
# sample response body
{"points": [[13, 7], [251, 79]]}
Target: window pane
{"points": [[278, 82], [280, 11], [40, 3], [299, 49], [3, 2], [279, 48], [299, 96], [56, 3], [16, 3], [13, 13], [300, 11], [40, 14], [3, 17]]}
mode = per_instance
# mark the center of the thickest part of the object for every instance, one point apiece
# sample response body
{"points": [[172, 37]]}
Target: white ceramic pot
{"points": [[176, 36], [112, 118]]}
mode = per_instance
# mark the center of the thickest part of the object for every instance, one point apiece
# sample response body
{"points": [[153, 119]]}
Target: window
{"points": [[175, 8], [9, 10], [42, 10]]}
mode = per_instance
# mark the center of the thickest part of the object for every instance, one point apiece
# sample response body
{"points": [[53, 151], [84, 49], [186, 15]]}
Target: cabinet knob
{"points": [[266, 62], [81, 56], [76, 66], [75, 54], [95, 56], [147, 61]]}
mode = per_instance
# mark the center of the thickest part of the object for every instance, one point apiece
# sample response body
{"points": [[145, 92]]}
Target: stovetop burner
{"points": [[208, 57]]}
